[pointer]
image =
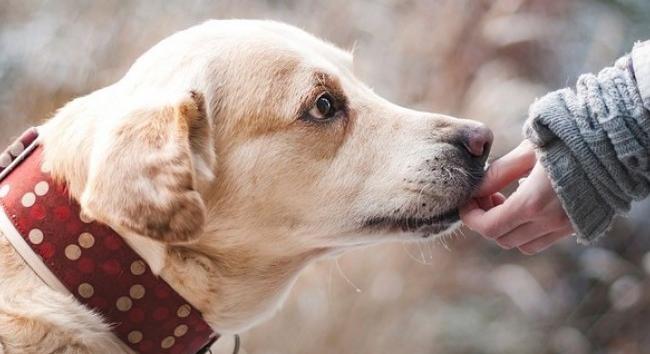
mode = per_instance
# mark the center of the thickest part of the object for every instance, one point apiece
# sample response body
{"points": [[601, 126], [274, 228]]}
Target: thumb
{"points": [[507, 169]]}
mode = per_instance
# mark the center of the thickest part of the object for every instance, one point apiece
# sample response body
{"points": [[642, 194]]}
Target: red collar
{"points": [[93, 262]]}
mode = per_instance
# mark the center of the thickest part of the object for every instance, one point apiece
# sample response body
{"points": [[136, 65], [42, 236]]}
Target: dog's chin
{"points": [[422, 226]]}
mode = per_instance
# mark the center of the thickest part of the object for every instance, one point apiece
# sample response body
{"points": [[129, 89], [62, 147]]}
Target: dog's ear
{"points": [[146, 171]]}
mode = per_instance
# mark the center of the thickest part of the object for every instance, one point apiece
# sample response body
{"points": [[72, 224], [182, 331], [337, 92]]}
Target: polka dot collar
{"points": [[91, 261]]}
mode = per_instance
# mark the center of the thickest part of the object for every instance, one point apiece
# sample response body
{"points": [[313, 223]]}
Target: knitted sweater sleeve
{"points": [[594, 142]]}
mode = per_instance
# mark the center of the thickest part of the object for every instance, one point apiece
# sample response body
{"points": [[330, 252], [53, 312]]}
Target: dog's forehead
{"points": [[282, 38], [309, 44]]}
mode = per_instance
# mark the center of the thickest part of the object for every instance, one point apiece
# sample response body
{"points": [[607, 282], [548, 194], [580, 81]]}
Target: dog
{"points": [[230, 156]]}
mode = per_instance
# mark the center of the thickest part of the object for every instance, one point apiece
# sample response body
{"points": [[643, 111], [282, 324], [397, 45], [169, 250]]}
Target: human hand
{"points": [[531, 219]]}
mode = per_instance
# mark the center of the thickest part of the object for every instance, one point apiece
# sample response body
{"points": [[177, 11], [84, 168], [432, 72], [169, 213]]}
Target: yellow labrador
{"points": [[230, 156]]}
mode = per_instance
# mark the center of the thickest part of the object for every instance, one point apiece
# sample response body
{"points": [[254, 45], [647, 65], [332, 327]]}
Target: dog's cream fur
{"points": [[202, 159]]}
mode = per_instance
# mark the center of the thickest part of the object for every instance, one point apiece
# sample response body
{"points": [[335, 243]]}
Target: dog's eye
{"points": [[324, 107]]}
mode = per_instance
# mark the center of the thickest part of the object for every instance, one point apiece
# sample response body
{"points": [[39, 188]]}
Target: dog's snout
{"points": [[477, 140]]}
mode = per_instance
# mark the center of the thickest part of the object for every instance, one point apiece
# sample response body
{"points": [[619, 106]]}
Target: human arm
{"points": [[593, 144]]}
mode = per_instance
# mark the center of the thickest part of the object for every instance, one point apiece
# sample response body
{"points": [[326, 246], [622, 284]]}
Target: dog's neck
{"points": [[229, 274], [232, 278]]}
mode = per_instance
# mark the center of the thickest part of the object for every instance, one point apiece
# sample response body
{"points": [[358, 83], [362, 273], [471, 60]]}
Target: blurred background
{"points": [[485, 60]]}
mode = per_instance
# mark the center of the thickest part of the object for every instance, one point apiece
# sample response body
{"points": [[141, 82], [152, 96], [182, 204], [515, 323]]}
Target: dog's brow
{"points": [[329, 82], [321, 81]]}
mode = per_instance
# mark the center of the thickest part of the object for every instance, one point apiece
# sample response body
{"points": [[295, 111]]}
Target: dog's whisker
{"points": [[329, 282], [424, 260], [430, 244], [405, 247], [338, 266], [443, 242]]}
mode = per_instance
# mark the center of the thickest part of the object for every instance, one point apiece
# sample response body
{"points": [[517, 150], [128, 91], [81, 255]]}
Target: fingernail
{"points": [[504, 245], [527, 253]]}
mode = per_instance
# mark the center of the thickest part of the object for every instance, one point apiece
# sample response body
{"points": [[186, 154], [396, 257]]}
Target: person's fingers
{"points": [[485, 203], [524, 234], [498, 199], [495, 222], [489, 202], [542, 243], [470, 205], [508, 168]]}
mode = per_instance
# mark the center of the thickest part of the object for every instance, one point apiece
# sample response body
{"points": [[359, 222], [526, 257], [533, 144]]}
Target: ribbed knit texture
{"points": [[594, 144]]}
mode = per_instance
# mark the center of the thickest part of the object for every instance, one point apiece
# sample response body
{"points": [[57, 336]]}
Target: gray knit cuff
{"points": [[589, 214], [594, 144]]}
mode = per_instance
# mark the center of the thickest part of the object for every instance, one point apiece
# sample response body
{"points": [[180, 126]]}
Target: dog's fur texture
{"points": [[206, 159]]}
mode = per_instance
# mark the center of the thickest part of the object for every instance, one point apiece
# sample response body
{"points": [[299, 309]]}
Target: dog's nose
{"points": [[477, 140]]}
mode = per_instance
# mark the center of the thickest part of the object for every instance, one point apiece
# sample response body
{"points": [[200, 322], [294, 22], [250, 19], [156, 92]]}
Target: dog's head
{"points": [[262, 128]]}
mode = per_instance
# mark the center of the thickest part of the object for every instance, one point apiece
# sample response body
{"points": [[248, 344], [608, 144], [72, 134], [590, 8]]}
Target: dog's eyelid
{"points": [[341, 101], [341, 111], [323, 83]]}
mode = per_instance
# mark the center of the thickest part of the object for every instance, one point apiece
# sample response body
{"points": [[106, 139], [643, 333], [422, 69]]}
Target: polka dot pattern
{"points": [[41, 188], [28, 199], [137, 292], [35, 236], [72, 252], [168, 342], [4, 190], [85, 218], [86, 240], [135, 337], [138, 268], [183, 311], [97, 266], [5, 160], [46, 167], [17, 148], [124, 304], [181, 330], [86, 290]]}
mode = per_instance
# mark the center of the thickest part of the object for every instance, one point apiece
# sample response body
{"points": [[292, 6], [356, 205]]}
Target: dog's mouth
{"points": [[426, 226]]}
